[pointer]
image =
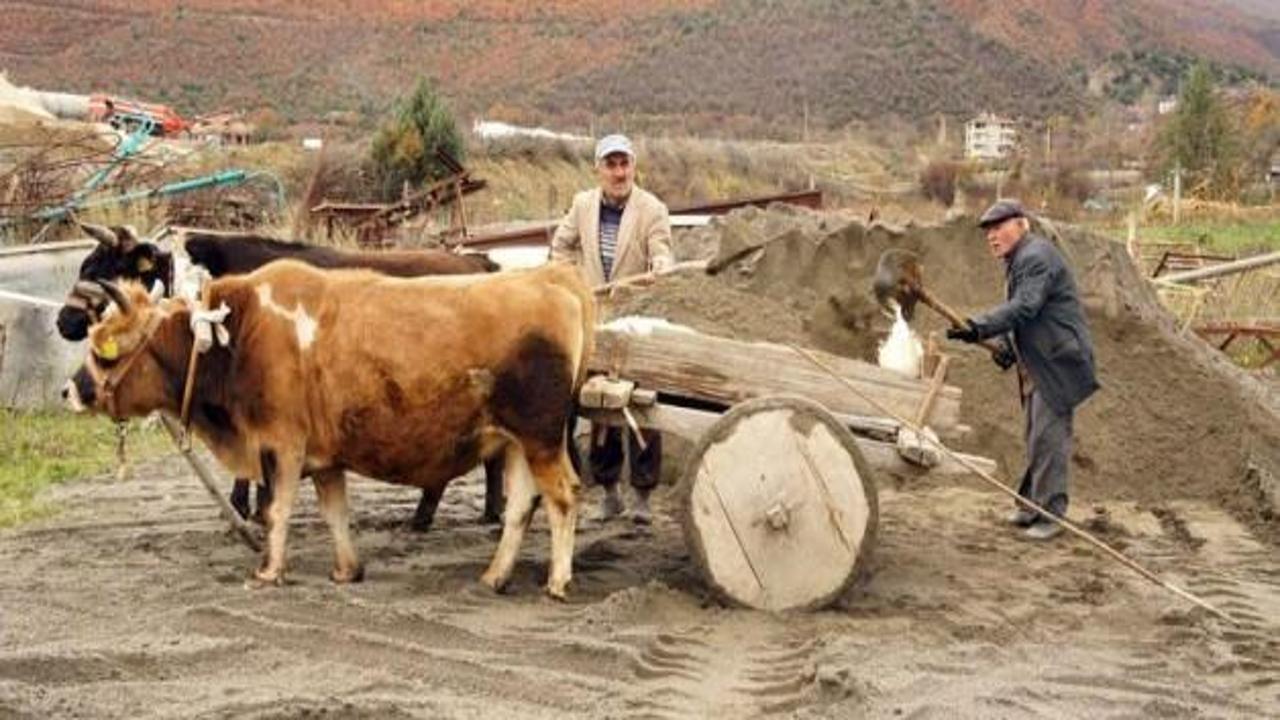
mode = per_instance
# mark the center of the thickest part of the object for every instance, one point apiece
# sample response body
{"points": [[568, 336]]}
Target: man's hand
{"points": [[1004, 358], [968, 333]]}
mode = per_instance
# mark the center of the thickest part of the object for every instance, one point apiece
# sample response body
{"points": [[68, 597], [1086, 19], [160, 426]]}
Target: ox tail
{"points": [[574, 282]]}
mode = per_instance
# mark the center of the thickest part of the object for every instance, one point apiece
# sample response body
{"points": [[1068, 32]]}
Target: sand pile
{"points": [[1174, 419]]}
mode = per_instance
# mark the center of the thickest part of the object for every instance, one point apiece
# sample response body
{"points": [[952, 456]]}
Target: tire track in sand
{"points": [[755, 667]]}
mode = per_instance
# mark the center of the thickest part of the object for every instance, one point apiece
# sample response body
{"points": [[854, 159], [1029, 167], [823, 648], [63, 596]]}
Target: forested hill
{"points": [[705, 61]]}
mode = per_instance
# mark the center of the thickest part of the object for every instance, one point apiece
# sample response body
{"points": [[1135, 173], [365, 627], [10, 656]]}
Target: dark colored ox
{"points": [[412, 381], [120, 254]]}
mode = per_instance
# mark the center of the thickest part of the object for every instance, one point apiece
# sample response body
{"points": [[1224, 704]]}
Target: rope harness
{"points": [[207, 327]]}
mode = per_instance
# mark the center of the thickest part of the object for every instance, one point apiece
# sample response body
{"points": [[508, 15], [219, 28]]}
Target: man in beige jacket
{"points": [[615, 231]]}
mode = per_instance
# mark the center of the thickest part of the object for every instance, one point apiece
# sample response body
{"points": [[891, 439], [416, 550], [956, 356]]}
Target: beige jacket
{"points": [[644, 237]]}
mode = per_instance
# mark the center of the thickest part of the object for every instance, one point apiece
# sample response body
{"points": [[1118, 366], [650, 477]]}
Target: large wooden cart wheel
{"points": [[780, 505]]}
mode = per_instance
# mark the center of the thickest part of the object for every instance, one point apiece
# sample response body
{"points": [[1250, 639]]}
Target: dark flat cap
{"points": [[999, 212]]}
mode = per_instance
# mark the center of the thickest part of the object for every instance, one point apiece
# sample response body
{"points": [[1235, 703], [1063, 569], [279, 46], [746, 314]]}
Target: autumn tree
{"points": [[1198, 137], [404, 149]]}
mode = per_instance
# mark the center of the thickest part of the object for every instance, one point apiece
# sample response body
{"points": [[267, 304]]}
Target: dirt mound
{"points": [[1174, 419]]}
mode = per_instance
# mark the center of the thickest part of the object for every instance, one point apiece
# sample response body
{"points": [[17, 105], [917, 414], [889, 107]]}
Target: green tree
{"points": [[404, 149], [1199, 138]]}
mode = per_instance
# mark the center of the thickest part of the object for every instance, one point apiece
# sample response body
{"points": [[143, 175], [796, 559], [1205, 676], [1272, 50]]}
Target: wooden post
{"points": [[1131, 242], [462, 209], [1177, 193]]}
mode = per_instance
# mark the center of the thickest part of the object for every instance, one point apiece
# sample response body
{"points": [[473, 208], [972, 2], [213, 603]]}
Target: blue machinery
{"points": [[128, 147], [218, 179]]}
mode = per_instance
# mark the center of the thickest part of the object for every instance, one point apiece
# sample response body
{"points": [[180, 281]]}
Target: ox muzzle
{"points": [[81, 392]]}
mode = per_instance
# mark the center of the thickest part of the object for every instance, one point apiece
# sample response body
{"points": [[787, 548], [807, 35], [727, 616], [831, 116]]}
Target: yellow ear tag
{"points": [[145, 264], [109, 349]]}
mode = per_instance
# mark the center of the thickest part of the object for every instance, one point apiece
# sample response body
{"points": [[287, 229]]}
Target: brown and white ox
{"points": [[412, 381], [121, 254]]}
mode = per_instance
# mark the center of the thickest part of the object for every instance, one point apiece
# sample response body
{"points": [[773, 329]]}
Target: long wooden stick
{"points": [[1229, 268], [206, 478], [986, 477], [648, 277]]}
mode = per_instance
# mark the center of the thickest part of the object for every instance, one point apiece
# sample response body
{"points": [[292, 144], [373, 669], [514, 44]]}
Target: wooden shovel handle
{"points": [[954, 317]]}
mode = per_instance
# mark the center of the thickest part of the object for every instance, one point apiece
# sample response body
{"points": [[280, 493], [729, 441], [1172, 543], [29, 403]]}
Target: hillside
{"points": [[713, 62]]}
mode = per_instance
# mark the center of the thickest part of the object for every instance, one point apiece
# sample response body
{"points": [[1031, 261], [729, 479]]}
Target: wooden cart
{"points": [[779, 494]]}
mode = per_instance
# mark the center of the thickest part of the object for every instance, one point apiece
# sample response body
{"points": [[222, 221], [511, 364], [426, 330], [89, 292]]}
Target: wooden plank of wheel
{"points": [[780, 507]]}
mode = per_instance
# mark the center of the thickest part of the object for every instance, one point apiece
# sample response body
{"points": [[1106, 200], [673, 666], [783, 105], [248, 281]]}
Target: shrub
{"points": [[938, 181]]}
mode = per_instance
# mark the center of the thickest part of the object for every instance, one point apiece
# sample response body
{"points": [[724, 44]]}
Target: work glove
{"points": [[968, 333], [1004, 358]]}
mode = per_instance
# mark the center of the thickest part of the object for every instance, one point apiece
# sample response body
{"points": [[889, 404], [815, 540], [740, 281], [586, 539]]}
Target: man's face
{"points": [[617, 174], [1002, 236]]}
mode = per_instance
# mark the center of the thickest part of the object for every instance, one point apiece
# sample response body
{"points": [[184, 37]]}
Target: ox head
{"points": [[120, 255], [122, 374]]}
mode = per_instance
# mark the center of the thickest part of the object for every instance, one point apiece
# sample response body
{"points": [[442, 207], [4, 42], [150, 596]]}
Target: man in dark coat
{"points": [[1042, 329]]}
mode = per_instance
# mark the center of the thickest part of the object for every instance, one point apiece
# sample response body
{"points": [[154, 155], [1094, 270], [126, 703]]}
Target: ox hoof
{"points": [[264, 578], [558, 592], [348, 575], [494, 582], [420, 526]]}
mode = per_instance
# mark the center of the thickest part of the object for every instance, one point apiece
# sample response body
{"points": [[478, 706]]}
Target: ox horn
{"points": [[117, 295], [89, 290], [101, 233], [127, 235]]}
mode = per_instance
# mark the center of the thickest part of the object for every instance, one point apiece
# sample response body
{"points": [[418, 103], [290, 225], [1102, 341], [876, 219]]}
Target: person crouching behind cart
{"points": [[611, 232]]}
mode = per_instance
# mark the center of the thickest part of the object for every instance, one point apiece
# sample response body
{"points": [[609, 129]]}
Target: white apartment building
{"points": [[990, 137]]}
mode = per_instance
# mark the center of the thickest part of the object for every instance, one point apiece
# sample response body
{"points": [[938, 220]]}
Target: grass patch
{"points": [[40, 449], [1226, 236]]}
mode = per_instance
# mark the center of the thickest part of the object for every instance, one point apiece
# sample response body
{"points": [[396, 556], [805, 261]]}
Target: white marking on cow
{"points": [[520, 487], [304, 325], [73, 397]]}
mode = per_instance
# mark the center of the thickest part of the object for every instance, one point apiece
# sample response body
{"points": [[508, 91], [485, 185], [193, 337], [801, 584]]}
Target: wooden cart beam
{"points": [[708, 368], [691, 424]]}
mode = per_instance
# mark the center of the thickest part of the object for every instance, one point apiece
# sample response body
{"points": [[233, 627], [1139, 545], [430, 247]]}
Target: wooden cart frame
{"points": [[779, 496]]}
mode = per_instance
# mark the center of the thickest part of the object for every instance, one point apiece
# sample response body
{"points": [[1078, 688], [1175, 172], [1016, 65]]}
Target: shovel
{"points": [[899, 279]]}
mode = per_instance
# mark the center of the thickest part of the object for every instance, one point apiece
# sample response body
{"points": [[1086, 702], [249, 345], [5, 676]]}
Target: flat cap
{"points": [[610, 144], [999, 212]]}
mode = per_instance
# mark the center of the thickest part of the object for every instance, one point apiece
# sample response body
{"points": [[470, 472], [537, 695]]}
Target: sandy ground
{"points": [[134, 603]]}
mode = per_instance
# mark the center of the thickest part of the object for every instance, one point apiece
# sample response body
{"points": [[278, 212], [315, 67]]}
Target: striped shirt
{"points": [[610, 220]]}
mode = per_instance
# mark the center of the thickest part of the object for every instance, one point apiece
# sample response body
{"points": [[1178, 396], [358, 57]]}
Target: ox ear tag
{"points": [[145, 264], [108, 349]]}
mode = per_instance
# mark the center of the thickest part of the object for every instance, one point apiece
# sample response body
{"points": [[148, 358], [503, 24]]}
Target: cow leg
{"points": [[521, 488], [425, 513], [282, 470], [264, 499], [240, 497], [559, 485], [331, 489], [492, 490]]}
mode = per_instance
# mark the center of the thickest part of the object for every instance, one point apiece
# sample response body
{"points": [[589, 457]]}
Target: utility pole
{"points": [[1177, 193], [1048, 143], [805, 131]]}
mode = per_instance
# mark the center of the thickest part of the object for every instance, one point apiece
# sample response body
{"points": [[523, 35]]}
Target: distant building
{"points": [[990, 137], [1167, 105], [222, 128]]}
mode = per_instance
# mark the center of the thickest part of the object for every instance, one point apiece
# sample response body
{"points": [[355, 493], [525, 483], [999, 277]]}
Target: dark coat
{"points": [[1044, 315]]}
